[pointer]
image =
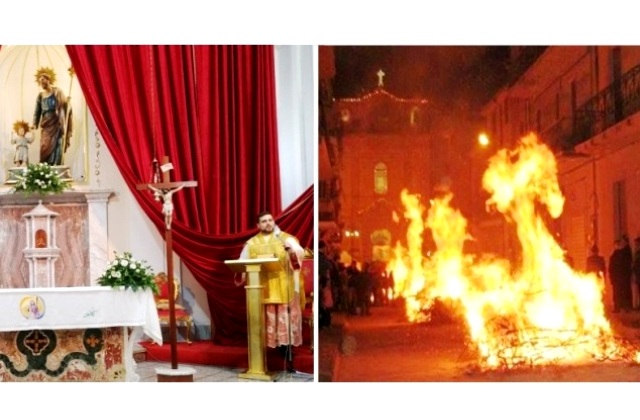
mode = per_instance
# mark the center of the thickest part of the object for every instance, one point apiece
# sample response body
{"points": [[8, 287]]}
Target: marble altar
{"points": [[73, 333], [81, 231]]}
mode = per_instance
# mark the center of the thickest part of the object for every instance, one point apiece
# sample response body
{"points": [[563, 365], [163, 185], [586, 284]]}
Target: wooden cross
{"points": [[163, 191]]}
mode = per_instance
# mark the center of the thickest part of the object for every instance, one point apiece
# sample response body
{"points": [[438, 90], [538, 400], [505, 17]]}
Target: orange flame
{"points": [[540, 312]]}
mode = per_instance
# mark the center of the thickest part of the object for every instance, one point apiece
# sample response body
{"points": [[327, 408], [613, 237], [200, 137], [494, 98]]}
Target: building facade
{"points": [[371, 148], [584, 102]]}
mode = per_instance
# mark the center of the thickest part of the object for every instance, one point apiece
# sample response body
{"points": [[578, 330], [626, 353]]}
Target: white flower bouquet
{"points": [[40, 178], [126, 271]]}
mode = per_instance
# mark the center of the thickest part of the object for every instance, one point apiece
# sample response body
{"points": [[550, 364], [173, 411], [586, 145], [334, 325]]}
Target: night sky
{"points": [[439, 73]]}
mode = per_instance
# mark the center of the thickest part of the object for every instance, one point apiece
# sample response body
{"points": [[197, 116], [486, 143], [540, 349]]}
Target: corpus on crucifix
{"points": [[165, 195]]}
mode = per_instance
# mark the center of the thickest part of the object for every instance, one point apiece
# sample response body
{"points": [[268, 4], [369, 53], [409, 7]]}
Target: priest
{"points": [[283, 295]]}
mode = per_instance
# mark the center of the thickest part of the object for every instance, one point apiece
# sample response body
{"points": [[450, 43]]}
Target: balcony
{"points": [[617, 102], [559, 136], [614, 104]]}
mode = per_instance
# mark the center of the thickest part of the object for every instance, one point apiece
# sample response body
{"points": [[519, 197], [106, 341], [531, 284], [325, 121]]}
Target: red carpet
{"points": [[208, 353]]}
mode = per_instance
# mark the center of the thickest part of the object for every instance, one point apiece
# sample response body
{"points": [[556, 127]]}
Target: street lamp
{"points": [[477, 156], [483, 140], [352, 235]]}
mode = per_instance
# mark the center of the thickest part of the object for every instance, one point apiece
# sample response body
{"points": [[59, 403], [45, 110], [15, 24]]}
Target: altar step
{"points": [[205, 352]]}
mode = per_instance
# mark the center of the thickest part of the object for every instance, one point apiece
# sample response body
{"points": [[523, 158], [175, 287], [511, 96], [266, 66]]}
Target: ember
{"points": [[539, 312]]}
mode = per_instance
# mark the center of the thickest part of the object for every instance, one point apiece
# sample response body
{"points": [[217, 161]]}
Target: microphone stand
{"points": [[290, 272]]}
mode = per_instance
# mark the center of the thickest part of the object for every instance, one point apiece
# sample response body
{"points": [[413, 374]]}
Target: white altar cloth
{"points": [[72, 308], [69, 308]]}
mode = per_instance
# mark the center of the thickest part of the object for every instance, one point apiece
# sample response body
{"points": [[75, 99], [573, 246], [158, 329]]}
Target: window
{"points": [[619, 210], [413, 116], [380, 182], [345, 115]]}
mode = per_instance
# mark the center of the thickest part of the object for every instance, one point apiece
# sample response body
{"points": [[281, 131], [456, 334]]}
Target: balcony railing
{"points": [[558, 135], [612, 105]]}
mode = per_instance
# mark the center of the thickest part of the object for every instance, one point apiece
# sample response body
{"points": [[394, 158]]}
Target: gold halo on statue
{"points": [[48, 72], [21, 124]]}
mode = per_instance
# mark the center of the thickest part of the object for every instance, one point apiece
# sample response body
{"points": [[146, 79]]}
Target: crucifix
{"points": [[163, 191]]}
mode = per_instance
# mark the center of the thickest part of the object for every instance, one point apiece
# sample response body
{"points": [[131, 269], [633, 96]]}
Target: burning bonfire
{"points": [[539, 312]]}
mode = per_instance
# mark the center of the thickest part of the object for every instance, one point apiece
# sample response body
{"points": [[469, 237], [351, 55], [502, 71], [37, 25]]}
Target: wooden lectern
{"points": [[255, 313]]}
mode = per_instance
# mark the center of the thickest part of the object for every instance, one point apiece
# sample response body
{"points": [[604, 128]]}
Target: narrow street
{"points": [[384, 347]]}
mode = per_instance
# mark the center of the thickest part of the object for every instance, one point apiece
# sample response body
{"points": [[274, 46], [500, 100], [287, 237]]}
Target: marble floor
{"points": [[147, 372]]}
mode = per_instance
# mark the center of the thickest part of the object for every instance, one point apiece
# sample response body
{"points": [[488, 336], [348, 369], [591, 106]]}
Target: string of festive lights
{"points": [[377, 203], [380, 91]]}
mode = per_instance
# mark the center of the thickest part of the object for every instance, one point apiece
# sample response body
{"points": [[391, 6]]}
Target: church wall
{"points": [[407, 160]]}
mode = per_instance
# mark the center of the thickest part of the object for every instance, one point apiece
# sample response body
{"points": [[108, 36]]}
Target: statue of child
{"points": [[22, 142]]}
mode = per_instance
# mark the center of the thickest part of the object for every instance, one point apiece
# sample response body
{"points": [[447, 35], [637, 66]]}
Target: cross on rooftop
{"points": [[381, 75]]}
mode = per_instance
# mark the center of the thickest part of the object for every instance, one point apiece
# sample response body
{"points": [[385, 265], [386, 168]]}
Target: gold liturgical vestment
{"points": [[280, 284]]}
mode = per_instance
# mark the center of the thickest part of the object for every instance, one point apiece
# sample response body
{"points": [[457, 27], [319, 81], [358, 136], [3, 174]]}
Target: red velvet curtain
{"points": [[211, 110]]}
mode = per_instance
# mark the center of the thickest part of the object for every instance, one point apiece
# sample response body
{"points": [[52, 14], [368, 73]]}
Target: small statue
{"points": [[22, 142]]}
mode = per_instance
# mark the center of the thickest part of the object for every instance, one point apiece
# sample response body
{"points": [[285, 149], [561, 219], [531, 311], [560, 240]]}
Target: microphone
{"points": [[295, 263]]}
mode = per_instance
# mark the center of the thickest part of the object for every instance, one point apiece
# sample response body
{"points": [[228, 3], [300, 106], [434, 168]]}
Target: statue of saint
{"points": [[53, 116]]}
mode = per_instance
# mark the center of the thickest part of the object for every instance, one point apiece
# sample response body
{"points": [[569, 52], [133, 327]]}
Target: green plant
{"points": [[40, 178], [126, 271]]}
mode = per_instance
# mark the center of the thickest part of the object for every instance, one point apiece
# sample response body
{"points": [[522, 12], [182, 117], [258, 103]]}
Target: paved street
{"points": [[384, 347]]}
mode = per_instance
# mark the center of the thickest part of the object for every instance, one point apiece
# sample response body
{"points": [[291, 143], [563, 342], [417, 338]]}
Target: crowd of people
{"points": [[624, 275], [623, 272], [350, 289]]}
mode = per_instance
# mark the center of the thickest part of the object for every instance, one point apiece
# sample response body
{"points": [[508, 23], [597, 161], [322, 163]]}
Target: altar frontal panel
{"points": [[93, 354]]}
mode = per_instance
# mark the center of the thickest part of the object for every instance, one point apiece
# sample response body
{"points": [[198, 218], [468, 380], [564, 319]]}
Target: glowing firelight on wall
{"points": [[483, 140]]}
